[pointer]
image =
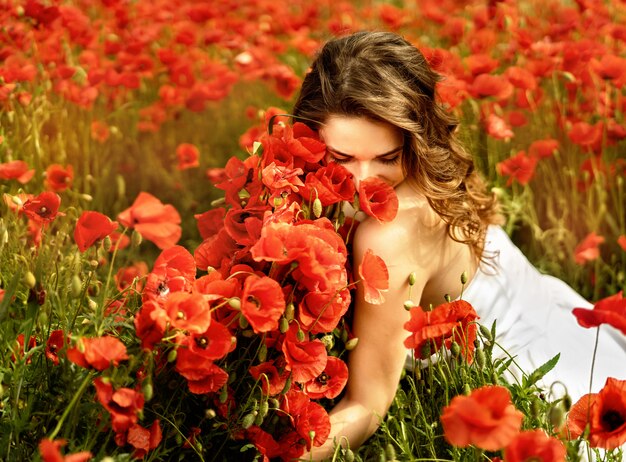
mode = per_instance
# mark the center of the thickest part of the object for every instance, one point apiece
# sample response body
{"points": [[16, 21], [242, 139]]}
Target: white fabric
{"points": [[535, 322]]}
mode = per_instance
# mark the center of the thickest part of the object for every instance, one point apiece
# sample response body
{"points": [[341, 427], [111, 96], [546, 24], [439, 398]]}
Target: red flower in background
{"points": [[497, 127], [543, 148], [374, 277], [322, 311], [486, 418], [622, 241], [535, 445], [50, 451], [210, 222], [143, 439], [123, 404], [520, 168], [604, 412], [588, 137], [308, 418], [587, 249], [55, 343], [274, 380], [378, 199], [155, 221], [262, 303], [100, 131], [127, 274], [174, 271], [446, 323], [92, 227], [188, 156], [98, 352], [59, 178], [16, 170], [610, 310], [331, 382], [42, 208], [496, 86]]}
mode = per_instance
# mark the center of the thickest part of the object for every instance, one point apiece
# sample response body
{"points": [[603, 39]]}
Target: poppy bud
{"points": [[87, 197], [349, 456], [274, 402], [264, 408], [300, 335], [278, 201], [390, 452], [480, 357], [257, 148], [223, 395], [243, 322], [287, 386], [290, 311], [408, 305], [76, 286], [329, 341], [283, 325], [311, 435], [136, 238], [29, 279], [412, 278], [234, 303], [317, 207], [352, 343], [217, 202], [567, 402], [172, 355], [535, 408], [464, 277], [486, 333], [258, 420], [248, 420], [93, 306], [467, 390], [106, 243], [455, 349], [447, 298], [148, 391], [263, 352], [556, 416], [121, 185], [210, 414], [93, 263]]}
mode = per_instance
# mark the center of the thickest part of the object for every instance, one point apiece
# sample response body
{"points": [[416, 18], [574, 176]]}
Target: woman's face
{"points": [[365, 147]]}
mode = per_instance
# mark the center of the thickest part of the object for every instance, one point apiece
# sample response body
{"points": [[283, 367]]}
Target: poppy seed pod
{"points": [[408, 305], [352, 343], [464, 277], [480, 357], [412, 278], [317, 207]]}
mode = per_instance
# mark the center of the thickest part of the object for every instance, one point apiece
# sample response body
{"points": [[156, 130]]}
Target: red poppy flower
{"points": [[244, 225], [216, 251], [155, 221], [622, 241], [308, 418], [610, 310], [174, 271], [150, 323], [521, 78], [481, 64], [205, 378], [196, 350], [279, 178], [188, 156], [239, 174], [275, 377], [22, 348], [55, 343], [210, 222], [98, 352], [188, 312], [497, 127], [486, 418], [59, 178], [543, 148], [100, 131], [588, 137], [520, 168], [305, 359], [92, 227], [604, 412], [446, 323], [588, 249], [378, 199], [321, 311], [50, 451], [128, 275], [262, 303], [123, 404], [331, 184], [16, 170], [42, 208], [535, 445], [330, 383], [610, 67], [119, 241], [485, 85], [374, 277], [143, 440]]}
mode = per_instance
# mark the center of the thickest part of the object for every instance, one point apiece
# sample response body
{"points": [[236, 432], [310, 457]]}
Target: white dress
{"points": [[535, 321]]}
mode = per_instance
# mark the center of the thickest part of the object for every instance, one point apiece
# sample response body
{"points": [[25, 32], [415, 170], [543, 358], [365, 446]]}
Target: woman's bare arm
{"points": [[376, 363]]}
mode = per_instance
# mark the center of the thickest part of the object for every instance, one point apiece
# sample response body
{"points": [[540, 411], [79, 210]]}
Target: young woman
{"points": [[372, 97]]}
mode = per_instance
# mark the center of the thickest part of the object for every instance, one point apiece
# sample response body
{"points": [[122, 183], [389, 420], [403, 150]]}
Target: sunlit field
{"points": [[175, 275]]}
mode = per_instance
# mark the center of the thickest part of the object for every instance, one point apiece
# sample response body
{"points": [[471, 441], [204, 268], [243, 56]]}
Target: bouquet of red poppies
{"points": [[245, 338]]}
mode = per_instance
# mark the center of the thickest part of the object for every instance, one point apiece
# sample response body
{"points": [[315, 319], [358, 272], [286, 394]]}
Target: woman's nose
{"points": [[362, 171]]}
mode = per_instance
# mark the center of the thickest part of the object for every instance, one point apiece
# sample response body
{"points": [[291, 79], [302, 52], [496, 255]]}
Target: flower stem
{"points": [[69, 407], [593, 358]]}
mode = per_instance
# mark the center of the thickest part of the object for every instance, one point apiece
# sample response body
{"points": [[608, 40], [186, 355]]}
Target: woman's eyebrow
{"points": [[385, 154]]}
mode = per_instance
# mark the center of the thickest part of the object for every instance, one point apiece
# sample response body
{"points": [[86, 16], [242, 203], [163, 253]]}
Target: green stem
{"points": [[593, 358], [70, 406]]}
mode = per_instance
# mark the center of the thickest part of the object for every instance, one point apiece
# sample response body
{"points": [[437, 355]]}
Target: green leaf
{"points": [[8, 294], [542, 370]]}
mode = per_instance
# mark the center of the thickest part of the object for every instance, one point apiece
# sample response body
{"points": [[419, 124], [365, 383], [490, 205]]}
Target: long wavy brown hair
{"points": [[381, 76]]}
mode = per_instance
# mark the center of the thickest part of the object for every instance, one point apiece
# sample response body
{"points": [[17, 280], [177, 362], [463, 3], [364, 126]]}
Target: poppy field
{"points": [[175, 259]]}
